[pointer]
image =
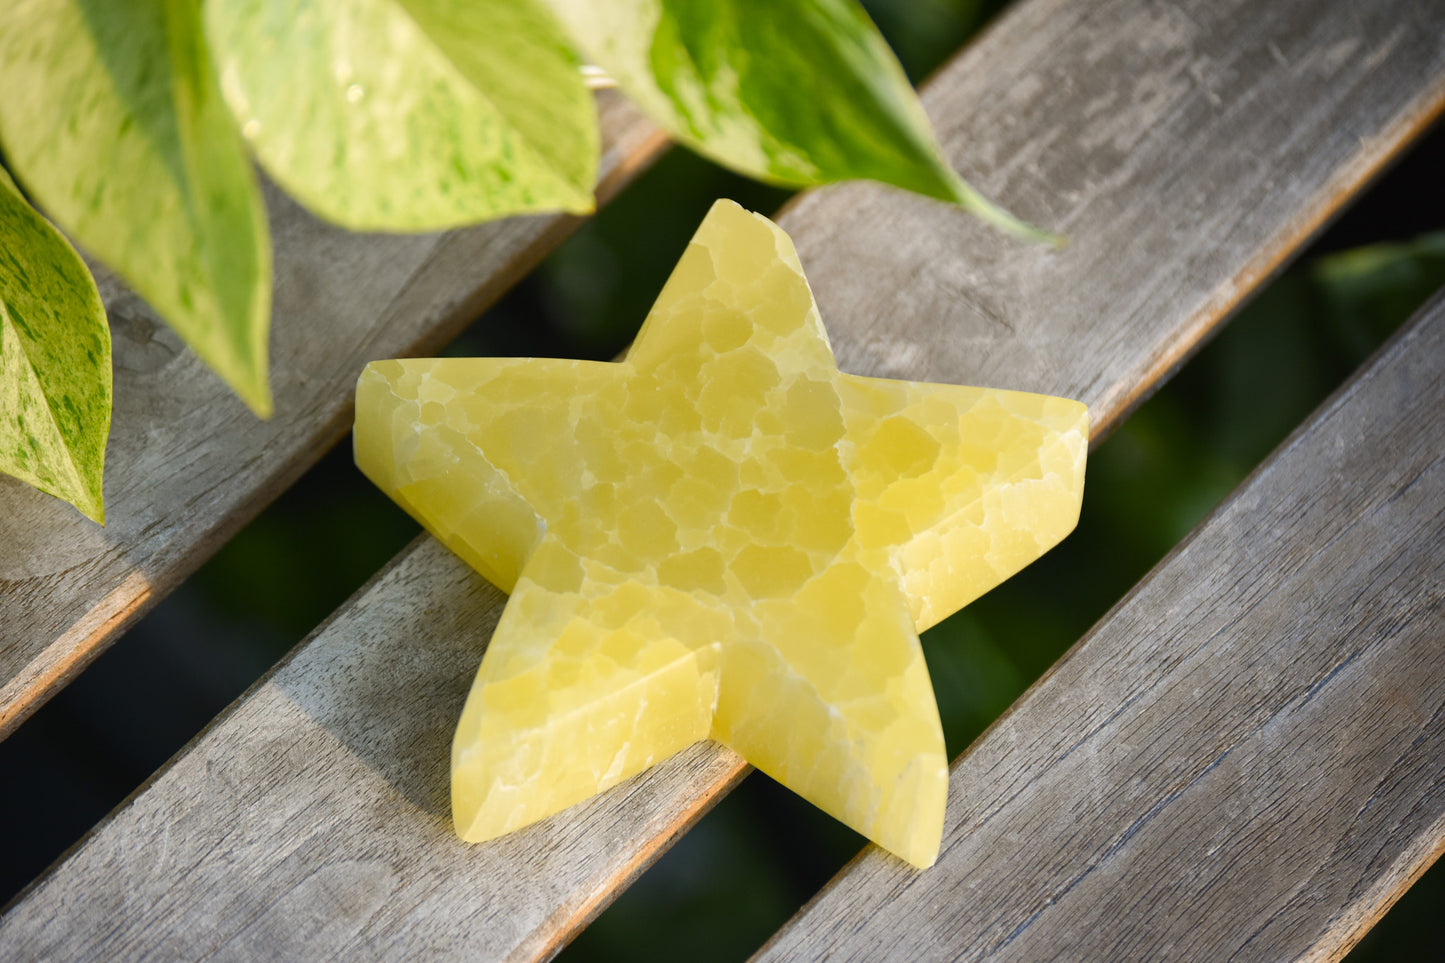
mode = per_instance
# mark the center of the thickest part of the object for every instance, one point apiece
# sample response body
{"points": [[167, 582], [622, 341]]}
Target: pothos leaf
{"points": [[409, 114], [54, 360], [122, 137], [799, 93]]}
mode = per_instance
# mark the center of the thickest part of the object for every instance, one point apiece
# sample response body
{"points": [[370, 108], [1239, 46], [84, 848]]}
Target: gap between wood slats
{"points": [[188, 465], [329, 778]]}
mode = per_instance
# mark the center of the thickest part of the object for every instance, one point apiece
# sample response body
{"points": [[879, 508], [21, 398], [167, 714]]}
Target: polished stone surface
{"points": [[720, 537]]}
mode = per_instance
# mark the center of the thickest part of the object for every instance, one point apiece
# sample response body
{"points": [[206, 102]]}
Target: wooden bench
{"points": [[1245, 756]]}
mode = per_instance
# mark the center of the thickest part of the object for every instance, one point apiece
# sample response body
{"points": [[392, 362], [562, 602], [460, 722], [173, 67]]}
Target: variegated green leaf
{"points": [[800, 93], [54, 360], [122, 138], [409, 114]]}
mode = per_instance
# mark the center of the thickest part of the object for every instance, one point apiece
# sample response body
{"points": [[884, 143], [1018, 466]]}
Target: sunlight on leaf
{"points": [[54, 360], [123, 140], [797, 93], [409, 114]]}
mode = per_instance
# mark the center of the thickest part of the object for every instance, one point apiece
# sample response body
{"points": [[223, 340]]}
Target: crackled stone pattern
{"points": [[722, 536]]}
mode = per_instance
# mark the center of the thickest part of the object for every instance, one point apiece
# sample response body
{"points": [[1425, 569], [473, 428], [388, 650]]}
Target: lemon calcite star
{"points": [[722, 536]]}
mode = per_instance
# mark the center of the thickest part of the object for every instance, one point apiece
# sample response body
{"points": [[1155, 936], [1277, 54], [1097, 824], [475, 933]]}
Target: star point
{"points": [[721, 536]]}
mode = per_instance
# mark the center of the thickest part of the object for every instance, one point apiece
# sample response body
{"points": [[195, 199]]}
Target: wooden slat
{"points": [[1246, 759], [188, 465], [1185, 151]]}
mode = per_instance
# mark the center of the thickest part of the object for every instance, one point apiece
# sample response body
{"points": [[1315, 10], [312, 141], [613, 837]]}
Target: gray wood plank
{"points": [[356, 855], [1244, 760], [1186, 148], [1177, 207], [188, 465]]}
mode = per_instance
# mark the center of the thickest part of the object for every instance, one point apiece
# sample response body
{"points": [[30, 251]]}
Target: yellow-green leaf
{"points": [[54, 360], [799, 93], [409, 114], [122, 138]]}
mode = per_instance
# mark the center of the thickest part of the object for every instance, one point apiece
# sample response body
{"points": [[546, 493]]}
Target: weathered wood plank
{"points": [[188, 465], [1244, 760], [357, 740], [1176, 207], [1186, 148]]}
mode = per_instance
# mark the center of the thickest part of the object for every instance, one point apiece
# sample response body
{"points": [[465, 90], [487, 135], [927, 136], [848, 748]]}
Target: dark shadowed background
{"points": [[762, 852]]}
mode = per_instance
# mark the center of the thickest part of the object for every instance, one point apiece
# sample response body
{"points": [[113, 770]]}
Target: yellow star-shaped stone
{"points": [[721, 537]]}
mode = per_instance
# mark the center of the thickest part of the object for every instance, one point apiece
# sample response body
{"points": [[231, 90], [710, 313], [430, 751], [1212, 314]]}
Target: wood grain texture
{"points": [[1244, 760], [188, 465], [315, 821], [1185, 159], [1186, 149]]}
